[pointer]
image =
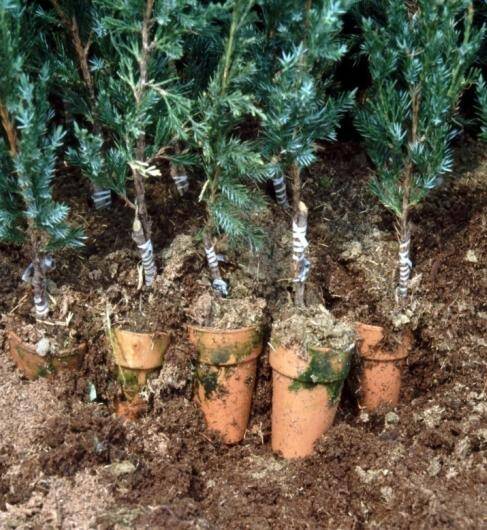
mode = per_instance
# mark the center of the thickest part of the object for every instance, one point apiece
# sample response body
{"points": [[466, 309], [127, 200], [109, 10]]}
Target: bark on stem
{"points": [[219, 284], [296, 186], [143, 214], [9, 129], [301, 264]]}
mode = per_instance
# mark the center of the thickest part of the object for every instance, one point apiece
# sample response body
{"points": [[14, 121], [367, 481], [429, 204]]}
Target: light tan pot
{"points": [[380, 370], [137, 356], [305, 396], [32, 365], [225, 377]]}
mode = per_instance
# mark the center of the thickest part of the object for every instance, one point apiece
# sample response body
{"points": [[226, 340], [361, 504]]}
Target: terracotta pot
{"points": [[305, 396], [225, 377], [380, 370], [33, 365], [137, 356]]}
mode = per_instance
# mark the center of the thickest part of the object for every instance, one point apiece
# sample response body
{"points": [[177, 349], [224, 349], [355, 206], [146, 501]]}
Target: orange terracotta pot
{"points": [[305, 396], [137, 356], [33, 365], [380, 370], [225, 377]]}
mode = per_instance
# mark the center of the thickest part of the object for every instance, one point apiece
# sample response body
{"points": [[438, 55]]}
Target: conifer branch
{"points": [[421, 62]]}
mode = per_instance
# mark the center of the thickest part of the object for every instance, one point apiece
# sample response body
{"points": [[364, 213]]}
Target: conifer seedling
{"points": [[74, 47], [28, 151], [144, 104], [301, 44], [232, 166], [420, 61]]}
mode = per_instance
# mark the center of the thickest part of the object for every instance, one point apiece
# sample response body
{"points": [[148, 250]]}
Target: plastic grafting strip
{"points": [[147, 256], [47, 264], [41, 306], [304, 268], [300, 243], [182, 183], [280, 189], [211, 257], [102, 198], [221, 286], [405, 266], [404, 260]]}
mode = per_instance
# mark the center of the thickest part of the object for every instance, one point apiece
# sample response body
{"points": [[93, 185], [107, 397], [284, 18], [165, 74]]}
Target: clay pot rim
{"points": [[384, 357], [368, 326], [69, 352], [211, 329], [375, 353], [251, 334], [143, 333], [294, 370], [135, 362]]}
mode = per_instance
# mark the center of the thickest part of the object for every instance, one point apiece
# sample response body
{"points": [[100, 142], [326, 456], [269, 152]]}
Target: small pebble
{"points": [[391, 418], [387, 493], [118, 469], [434, 467], [471, 257], [364, 416], [43, 347]]}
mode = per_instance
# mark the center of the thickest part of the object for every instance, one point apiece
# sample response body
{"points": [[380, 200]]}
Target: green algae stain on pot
{"points": [[208, 379], [226, 354], [129, 381], [43, 371], [329, 368]]}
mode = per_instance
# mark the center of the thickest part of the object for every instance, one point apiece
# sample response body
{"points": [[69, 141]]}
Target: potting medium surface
{"points": [[67, 461]]}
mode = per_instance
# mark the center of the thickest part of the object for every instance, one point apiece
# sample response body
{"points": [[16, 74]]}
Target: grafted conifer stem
{"points": [[300, 263], [296, 185], [219, 284], [405, 264]]}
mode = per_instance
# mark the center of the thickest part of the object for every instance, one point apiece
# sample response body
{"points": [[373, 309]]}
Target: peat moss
{"points": [[312, 326], [210, 310]]}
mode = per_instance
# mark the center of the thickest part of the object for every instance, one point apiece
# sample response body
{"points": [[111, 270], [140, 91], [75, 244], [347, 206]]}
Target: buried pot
{"points": [[380, 368], [137, 356], [305, 396], [225, 377], [33, 365]]}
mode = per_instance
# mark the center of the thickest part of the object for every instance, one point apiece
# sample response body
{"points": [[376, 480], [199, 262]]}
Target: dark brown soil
{"points": [[66, 462]]}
